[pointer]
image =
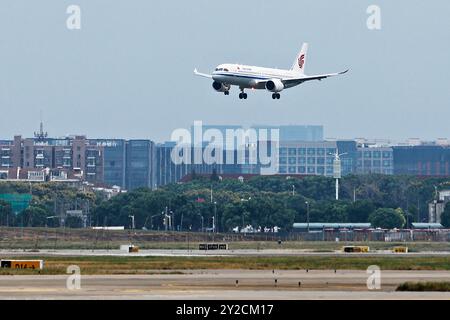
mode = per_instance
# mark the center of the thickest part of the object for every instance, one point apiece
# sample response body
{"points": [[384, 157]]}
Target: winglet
{"points": [[202, 74], [342, 72]]}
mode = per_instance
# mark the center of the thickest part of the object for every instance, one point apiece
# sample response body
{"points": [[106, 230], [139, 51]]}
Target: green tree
{"points": [[387, 218], [413, 212], [6, 215], [74, 222], [360, 211], [33, 216]]}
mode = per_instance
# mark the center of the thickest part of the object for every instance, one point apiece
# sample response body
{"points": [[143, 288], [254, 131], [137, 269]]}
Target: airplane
{"points": [[272, 80]]}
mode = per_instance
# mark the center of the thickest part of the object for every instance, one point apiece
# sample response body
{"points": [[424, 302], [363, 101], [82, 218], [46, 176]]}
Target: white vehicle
{"points": [[272, 80]]}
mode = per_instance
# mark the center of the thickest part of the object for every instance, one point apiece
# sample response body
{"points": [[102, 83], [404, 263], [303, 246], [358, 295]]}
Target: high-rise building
{"points": [[295, 132], [422, 160], [348, 151], [306, 157], [375, 160], [140, 157], [169, 171], [316, 158], [114, 161], [10, 153]]}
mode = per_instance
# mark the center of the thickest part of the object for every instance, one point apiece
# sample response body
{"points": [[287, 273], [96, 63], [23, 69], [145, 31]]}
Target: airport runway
{"points": [[221, 284], [211, 253]]}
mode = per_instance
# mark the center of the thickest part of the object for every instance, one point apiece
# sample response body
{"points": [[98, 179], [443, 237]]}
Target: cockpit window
{"points": [[221, 69]]}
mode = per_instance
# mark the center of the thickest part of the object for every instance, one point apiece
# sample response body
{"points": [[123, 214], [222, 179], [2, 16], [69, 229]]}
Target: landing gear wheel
{"points": [[226, 93], [278, 96], [274, 96], [244, 95], [241, 95]]}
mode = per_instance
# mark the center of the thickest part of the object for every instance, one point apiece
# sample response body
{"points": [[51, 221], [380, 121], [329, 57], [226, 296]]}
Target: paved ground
{"points": [[221, 284], [184, 253]]}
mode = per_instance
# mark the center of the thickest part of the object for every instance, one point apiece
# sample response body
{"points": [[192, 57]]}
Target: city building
{"points": [[11, 153], [437, 206], [114, 161], [316, 158], [295, 150], [375, 160], [309, 158], [347, 150], [422, 160], [140, 159], [168, 171], [295, 132]]}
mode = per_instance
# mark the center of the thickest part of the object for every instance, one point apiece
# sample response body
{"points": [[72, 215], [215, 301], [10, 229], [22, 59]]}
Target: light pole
{"points": [[244, 200], [215, 217], [151, 220], [181, 223], [132, 221], [56, 229], [337, 170], [293, 190], [434, 217], [307, 215], [165, 220], [201, 218]]}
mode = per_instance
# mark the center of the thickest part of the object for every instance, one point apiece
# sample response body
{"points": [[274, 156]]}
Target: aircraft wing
{"points": [[296, 81], [202, 74]]}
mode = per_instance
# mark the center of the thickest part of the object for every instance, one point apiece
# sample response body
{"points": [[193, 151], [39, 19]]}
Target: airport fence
{"points": [[39, 238]]}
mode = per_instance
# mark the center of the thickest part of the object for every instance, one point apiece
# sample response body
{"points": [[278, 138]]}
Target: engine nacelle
{"points": [[220, 87], [274, 85]]}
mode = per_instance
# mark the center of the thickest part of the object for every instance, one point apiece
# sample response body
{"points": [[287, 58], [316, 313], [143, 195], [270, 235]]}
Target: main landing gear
{"points": [[276, 96], [226, 93], [242, 95]]}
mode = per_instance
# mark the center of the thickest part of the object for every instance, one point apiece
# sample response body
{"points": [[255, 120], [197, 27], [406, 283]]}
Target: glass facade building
{"points": [[295, 132], [306, 158], [375, 160], [114, 158], [169, 172], [423, 160], [140, 161]]}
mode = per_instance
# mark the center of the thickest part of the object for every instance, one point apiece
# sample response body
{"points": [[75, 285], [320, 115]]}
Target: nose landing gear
{"points": [[276, 96]]}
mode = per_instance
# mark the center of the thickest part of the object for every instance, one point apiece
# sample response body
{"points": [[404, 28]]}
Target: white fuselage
{"points": [[250, 76]]}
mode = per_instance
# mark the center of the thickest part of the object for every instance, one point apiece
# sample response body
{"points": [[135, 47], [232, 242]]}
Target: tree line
{"points": [[262, 201]]}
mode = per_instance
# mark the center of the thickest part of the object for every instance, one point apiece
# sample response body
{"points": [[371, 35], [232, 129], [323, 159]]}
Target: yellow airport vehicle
{"points": [[22, 264], [356, 249], [130, 248], [133, 249], [400, 249]]}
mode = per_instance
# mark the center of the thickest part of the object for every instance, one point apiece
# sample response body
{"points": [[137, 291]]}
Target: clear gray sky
{"points": [[128, 71]]}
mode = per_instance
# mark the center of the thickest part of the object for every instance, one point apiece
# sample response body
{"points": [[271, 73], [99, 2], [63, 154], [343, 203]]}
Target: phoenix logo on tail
{"points": [[301, 61], [272, 80]]}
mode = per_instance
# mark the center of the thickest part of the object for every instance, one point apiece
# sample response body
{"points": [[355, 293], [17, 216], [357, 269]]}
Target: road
{"points": [[216, 253], [221, 284]]}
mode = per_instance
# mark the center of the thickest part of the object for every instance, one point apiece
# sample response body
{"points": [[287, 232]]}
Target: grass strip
{"points": [[146, 265], [424, 286]]}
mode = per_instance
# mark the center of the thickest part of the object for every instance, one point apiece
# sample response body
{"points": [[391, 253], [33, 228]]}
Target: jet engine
{"points": [[220, 87], [274, 85]]}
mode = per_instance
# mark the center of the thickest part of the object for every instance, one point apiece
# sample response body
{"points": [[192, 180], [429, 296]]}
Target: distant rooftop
{"points": [[420, 225], [325, 225]]}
